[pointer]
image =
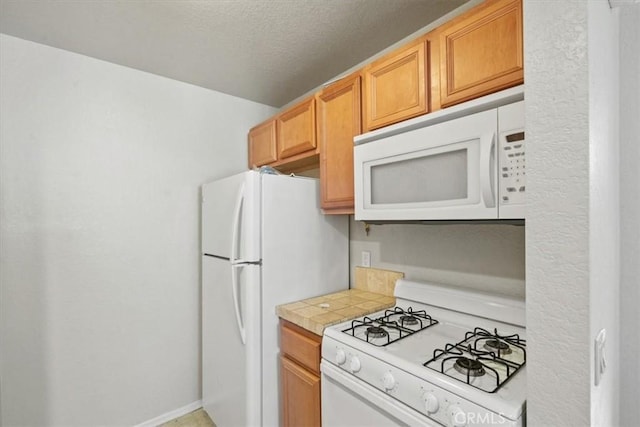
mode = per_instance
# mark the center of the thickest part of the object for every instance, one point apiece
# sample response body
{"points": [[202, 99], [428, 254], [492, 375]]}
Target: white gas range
{"points": [[442, 356]]}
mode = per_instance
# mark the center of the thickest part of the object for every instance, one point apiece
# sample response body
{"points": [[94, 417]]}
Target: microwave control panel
{"points": [[512, 168], [512, 165]]}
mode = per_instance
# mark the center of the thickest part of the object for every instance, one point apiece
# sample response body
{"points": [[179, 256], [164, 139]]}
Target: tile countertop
{"points": [[315, 314]]}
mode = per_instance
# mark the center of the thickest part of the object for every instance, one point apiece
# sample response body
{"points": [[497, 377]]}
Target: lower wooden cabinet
{"points": [[299, 376], [301, 395]]}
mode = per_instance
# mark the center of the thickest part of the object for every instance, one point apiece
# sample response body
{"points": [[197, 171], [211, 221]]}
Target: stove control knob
{"points": [[388, 381], [341, 357], [431, 404], [457, 416], [355, 364]]}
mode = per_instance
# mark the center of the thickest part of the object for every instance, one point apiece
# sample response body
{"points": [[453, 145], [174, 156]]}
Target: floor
{"points": [[197, 418]]}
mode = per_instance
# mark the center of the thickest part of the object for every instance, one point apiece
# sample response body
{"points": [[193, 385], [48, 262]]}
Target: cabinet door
{"points": [[338, 122], [395, 86], [300, 395], [262, 144], [297, 129], [481, 51]]}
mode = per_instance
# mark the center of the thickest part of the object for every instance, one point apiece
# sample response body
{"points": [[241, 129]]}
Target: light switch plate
{"points": [[600, 360]]}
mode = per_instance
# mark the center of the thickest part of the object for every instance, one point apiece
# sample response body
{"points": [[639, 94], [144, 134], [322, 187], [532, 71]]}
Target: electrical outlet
{"points": [[600, 360], [366, 259]]}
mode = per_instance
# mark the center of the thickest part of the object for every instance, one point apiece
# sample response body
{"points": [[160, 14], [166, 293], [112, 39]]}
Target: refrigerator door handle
{"points": [[235, 283], [237, 223]]}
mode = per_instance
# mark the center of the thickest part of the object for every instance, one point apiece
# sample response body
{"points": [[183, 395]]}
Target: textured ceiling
{"points": [[267, 51]]}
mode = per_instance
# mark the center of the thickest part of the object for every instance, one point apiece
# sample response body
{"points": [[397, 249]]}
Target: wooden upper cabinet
{"points": [[477, 53], [296, 130], [262, 144], [395, 86], [481, 51], [338, 120]]}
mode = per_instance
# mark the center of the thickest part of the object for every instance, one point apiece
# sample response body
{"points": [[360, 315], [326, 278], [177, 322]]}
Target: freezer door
{"points": [[231, 366], [231, 217]]}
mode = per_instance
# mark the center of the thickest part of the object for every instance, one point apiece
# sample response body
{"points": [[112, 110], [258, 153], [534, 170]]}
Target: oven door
{"points": [[447, 171], [347, 401]]}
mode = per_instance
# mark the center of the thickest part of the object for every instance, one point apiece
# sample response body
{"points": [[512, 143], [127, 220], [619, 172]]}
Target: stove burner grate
{"points": [[392, 326], [415, 320], [472, 362]]}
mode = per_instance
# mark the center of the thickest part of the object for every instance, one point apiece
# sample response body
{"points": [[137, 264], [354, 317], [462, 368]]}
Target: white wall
{"points": [[557, 242], [604, 205], [630, 213], [573, 237], [100, 275], [489, 258]]}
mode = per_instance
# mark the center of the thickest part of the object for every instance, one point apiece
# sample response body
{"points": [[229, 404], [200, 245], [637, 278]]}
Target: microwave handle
{"points": [[487, 168]]}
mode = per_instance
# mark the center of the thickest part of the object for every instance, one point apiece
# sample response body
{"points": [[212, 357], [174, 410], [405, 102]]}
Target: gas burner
{"points": [[376, 332], [470, 367], [496, 344], [408, 320]]}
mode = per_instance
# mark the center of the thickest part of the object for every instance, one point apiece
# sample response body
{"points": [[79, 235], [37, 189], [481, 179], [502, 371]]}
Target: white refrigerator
{"points": [[265, 242]]}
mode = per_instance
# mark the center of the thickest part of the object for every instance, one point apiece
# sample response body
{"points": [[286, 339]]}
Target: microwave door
{"points": [[446, 171]]}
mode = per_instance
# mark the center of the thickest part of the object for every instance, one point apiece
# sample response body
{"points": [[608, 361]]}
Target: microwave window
{"points": [[429, 178]]}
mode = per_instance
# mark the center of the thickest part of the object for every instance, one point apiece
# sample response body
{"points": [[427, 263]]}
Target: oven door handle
{"points": [[331, 373]]}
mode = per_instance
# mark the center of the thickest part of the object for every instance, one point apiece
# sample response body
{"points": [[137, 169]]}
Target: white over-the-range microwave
{"points": [[463, 163]]}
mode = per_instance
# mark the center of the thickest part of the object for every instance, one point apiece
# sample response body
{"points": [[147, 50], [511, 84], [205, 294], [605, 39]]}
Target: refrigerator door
{"points": [[231, 380], [304, 254], [231, 218]]}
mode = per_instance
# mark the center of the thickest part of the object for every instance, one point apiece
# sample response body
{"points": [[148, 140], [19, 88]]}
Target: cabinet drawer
{"points": [[300, 345]]}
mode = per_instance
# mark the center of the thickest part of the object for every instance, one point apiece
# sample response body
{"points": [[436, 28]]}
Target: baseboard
{"points": [[172, 415]]}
